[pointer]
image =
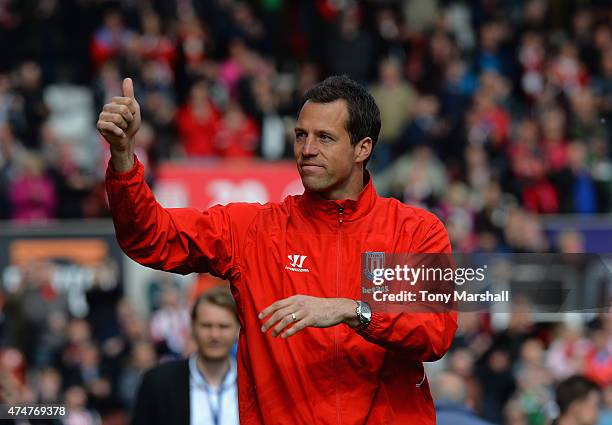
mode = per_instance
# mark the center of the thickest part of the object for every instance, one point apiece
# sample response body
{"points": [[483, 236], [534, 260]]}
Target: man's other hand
{"points": [[301, 311], [118, 123]]}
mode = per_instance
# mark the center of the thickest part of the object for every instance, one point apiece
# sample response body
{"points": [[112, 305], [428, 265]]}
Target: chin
{"points": [[214, 355], [314, 184]]}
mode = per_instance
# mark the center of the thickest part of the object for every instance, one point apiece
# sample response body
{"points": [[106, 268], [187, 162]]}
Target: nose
{"points": [[215, 333], [310, 147]]}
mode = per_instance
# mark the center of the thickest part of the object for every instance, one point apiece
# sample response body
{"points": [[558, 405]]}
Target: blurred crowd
{"points": [[494, 112], [92, 362], [509, 375]]}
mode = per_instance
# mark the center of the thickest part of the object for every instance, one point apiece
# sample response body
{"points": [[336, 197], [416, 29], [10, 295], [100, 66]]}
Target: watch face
{"points": [[364, 312]]}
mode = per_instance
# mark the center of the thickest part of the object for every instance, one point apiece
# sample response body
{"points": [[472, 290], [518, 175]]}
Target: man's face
{"points": [[215, 329], [322, 148], [586, 411]]}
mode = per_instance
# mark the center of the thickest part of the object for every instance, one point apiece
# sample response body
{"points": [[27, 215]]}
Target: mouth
{"points": [[307, 167]]}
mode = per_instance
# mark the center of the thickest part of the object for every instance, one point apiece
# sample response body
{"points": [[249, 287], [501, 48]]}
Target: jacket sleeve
{"points": [[181, 240], [423, 336], [144, 411]]}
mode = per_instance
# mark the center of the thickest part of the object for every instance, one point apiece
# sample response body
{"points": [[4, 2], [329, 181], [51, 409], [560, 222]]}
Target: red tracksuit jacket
{"points": [[319, 376]]}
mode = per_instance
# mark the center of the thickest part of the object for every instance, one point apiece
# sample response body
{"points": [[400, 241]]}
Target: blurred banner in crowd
{"points": [[63, 260], [595, 231], [203, 185]]}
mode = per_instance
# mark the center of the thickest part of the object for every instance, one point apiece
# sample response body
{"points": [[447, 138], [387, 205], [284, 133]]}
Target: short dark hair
{"points": [[573, 388], [220, 296], [364, 115]]}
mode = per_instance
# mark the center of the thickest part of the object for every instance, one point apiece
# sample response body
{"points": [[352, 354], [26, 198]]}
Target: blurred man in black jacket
{"points": [[200, 390]]}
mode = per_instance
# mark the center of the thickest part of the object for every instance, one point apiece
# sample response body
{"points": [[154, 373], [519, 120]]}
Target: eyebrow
{"points": [[317, 132], [327, 133]]}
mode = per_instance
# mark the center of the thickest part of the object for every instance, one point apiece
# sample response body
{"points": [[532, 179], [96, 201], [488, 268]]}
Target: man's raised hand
{"points": [[118, 123]]}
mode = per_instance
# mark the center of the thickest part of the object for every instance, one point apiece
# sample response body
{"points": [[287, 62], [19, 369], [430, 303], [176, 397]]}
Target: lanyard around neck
{"points": [[215, 412]]}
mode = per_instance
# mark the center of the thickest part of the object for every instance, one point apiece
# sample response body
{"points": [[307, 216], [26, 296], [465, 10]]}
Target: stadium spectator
{"points": [[235, 67], [461, 362], [426, 127], [566, 353], [76, 406], [578, 400], [142, 358], [605, 416], [201, 389], [580, 195], [73, 184], [452, 403], [198, 123], [28, 108], [194, 46], [598, 361], [238, 134], [395, 98], [112, 39], [32, 193], [48, 386], [170, 324], [153, 44], [418, 178], [350, 41], [533, 392]]}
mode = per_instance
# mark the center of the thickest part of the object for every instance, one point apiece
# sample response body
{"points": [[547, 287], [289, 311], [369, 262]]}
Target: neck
{"points": [[391, 84], [350, 189], [213, 370]]}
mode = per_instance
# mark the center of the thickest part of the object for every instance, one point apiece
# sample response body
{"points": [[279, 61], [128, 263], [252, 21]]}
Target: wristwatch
{"points": [[364, 314]]}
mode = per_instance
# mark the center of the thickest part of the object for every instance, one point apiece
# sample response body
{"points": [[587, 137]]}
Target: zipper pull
{"points": [[340, 215]]}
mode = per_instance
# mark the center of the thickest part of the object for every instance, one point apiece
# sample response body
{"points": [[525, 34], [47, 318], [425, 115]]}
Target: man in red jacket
{"points": [[309, 351]]}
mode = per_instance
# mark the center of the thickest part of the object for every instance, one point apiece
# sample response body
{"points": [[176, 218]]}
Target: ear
{"points": [[363, 149]]}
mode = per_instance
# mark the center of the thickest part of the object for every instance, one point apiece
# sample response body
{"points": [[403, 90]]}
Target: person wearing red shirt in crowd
{"points": [[198, 123], [238, 134], [490, 119], [309, 352], [111, 39], [528, 165], [525, 153], [193, 43], [153, 44], [554, 139], [598, 361]]}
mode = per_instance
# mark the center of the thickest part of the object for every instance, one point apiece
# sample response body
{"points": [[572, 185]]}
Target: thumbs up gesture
{"points": [[120, 120]]}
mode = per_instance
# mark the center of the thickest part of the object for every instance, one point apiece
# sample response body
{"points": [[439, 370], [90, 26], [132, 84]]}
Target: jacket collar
{"points": [[453, 406], [340, 210], [197, 378]]}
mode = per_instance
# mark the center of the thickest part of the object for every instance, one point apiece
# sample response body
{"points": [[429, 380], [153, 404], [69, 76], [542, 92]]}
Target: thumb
{"points": [[128, 88]]}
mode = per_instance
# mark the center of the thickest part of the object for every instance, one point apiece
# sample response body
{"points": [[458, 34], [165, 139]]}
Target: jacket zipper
{"points": [[336, 350]]}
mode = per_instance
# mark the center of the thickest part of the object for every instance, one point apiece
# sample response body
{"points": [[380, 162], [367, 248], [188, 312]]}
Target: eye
{"points": [[300, 135], [325, 137]]}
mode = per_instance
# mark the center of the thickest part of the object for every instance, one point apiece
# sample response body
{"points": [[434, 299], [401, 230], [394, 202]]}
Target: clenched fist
{"points": [[118, 123]]}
